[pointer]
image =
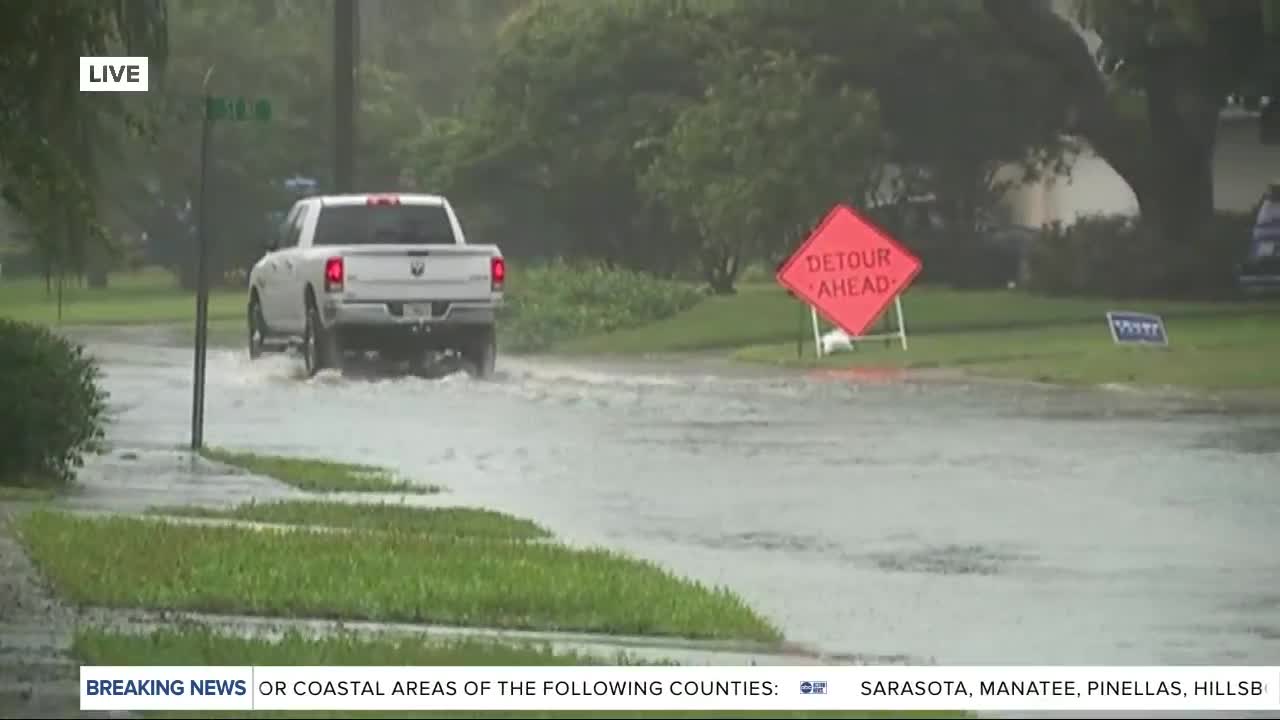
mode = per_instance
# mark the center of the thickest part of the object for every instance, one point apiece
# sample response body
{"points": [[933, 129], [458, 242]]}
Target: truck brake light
{"points": [[497, 272], [382, 200], [334, 273]]}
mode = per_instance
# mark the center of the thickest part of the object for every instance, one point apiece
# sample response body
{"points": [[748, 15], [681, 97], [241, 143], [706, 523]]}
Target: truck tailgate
{"points": [[421, 272]]}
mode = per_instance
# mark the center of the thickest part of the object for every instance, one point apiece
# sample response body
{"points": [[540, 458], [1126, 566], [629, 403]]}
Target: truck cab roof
{"points": [[380, 199]]}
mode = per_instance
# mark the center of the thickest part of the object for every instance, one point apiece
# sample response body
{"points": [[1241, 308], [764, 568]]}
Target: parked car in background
{"points": [[1260, 270]]}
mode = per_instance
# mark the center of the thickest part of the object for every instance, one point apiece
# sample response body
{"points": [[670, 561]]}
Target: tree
{"points": [[966, 115], [610, 125], [969, 118], [439, 46], [51, 135], [767, 149], [576, 100], [259, 49], [1148, 101]]}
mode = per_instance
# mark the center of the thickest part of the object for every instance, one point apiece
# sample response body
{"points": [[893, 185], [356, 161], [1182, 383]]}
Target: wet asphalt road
{"points": [[918, 521]]}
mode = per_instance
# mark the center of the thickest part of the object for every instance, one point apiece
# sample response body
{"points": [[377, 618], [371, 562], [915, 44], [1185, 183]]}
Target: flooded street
{"points": [[959, 523]]}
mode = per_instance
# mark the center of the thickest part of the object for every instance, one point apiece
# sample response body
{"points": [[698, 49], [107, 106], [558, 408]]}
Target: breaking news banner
{"points": [[791, 688]]}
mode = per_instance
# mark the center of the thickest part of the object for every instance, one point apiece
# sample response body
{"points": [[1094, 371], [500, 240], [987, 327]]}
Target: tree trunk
{"points": [[1167, 160], [962, 251], [722, 281], [1175, 196], [96, 272], [1177, 210], [720, 269]]}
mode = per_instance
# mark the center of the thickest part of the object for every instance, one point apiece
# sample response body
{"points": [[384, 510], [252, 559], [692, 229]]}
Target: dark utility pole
{"points": [[344, 67], [202, 270]]}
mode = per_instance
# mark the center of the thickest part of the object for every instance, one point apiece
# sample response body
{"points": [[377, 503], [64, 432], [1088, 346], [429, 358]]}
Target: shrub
{"points": [[550, 303], [51, 407], [1121, 256]]}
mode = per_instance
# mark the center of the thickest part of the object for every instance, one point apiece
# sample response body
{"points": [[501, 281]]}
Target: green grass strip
{"points": [[318, 475], [446, 522], [144, 563]]}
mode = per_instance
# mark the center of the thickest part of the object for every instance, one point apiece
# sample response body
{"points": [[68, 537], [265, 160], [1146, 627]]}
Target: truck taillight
{"points": [[334, 273], [382, 200], [497, 272]]}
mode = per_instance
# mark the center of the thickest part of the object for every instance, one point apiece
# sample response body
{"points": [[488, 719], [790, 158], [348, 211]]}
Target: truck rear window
{"points": [[384, 225]]}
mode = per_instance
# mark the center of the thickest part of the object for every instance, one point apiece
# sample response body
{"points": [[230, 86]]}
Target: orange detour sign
{"points": [[850, 271]]}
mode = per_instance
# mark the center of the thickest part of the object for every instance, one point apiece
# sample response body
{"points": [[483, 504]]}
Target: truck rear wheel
{"points": [[319, 346], [481, 352], [257, 329]]}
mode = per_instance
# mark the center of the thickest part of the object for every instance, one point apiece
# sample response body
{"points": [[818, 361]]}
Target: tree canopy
{"points": [[680, 137], [1149, 98], [54, 140]]}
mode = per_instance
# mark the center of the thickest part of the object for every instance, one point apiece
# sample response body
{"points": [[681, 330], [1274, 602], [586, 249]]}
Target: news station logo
{"points": [[114, 74], [815, 687]]}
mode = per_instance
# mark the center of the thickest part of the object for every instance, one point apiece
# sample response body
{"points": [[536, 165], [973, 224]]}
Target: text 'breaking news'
{"points": [[679, 688]]}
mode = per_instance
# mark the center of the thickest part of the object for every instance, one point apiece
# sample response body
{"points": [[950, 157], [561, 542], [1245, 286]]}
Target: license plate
{"points": [[1267, 248], [418, 309]]}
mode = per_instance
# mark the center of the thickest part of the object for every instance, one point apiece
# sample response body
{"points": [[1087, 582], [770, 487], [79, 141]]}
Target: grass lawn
{"points": [[27, 494], [765, 314], [440, 522], [1007, 334], [375, 576], [318, 475], [199, 646], [228, 332], [1213, 353], [151, 296]]}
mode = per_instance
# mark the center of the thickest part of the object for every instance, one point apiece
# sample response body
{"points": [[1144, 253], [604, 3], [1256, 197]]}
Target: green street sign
{"points": [[238, 109]]}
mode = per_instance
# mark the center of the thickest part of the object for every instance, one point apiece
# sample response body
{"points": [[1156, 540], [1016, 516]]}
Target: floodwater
{"points": [[948, 522]]}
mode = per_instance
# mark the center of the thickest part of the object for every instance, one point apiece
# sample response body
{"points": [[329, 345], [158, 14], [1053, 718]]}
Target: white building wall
{"points": [[1243, 167]]}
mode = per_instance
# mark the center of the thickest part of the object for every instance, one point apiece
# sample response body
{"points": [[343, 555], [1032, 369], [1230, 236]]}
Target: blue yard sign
{"points": [[1130, 328]]}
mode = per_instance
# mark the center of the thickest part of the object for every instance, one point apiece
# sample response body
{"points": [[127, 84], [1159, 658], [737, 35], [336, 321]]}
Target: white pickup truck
{"points": [[387, 273]]}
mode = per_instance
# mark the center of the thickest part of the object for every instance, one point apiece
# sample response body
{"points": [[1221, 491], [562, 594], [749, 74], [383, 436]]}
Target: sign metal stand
{"points": [[900, 334]]}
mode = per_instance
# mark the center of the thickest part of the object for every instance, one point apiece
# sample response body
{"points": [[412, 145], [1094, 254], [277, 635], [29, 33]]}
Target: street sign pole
{"points": [[202, 271]]}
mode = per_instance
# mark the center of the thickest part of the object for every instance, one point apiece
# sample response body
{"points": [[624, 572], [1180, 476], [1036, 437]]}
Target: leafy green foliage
{"points": [[243, 55], [761, 157], [570, 113], [550, 303], [695, 138], [1149, 98], [956, 74], [1114, 256], [415, 57], [53, 407], [54, 140]]}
